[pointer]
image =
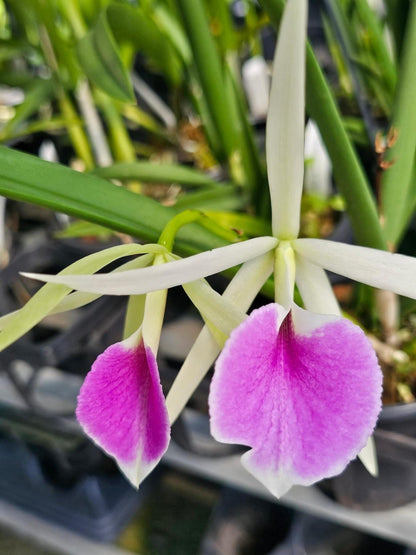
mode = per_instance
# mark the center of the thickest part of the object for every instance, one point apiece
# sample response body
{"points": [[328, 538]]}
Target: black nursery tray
{"points": [[98, 506]]}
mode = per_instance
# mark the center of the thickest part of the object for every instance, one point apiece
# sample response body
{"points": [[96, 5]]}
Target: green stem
{"points": [[75, 131], [167, 237], [122, 146], [348, 172], [72, 14], [121, 142]]}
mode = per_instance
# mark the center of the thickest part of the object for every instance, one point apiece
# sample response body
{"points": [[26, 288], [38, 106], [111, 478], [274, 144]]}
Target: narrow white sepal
{"points": [[171, 274], [199, 360], [154, 312], [79, 298], [368, 456], [318, 296], [213, 307], [314, 288], [285, 122], [394, 272]]}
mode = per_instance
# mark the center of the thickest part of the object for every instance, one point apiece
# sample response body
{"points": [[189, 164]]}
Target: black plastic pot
{"points": [[395, 439], [313, 536]]}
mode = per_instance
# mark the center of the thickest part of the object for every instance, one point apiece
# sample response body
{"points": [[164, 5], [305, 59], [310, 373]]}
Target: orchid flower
{"points": [[300, 387], [136, 431]]}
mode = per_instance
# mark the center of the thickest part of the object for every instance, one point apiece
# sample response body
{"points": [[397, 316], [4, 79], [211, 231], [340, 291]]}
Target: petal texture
{"points": [[302, 390], [122, 408]]}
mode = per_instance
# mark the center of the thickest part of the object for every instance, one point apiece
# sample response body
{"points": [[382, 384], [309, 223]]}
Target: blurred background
{"points": [[168, 100]]}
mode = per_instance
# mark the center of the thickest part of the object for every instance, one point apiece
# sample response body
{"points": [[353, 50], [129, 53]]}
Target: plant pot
{"points": [[395, 438], [314, 536]]}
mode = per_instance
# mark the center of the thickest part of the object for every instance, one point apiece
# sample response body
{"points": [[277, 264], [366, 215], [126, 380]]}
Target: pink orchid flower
{"points": [[301, 388]]}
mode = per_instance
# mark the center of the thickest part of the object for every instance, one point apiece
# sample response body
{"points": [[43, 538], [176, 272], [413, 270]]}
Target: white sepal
{"points": [[213, 307], [136, 282], [285, 122], [368, 456], [394, 272], [314, 288]]}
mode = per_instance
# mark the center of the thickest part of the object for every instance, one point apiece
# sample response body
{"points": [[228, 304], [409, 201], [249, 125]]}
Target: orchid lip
{"points": [[281, 388], [121, 407]]}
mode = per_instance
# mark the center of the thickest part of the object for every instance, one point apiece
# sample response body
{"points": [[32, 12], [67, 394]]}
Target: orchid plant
{"points": [[301, 387]]}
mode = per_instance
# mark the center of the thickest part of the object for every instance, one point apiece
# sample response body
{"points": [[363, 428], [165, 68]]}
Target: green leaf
{"points": [[133, 25], [83, 229], [100, 59], [211, 75], [134, 314], [171, 27], [27, 178], [243, 223], [226, 197], [397, 185], [155, 173]]}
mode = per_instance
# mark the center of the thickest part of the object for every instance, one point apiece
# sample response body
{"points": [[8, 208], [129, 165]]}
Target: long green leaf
{"points": [[155, 173], [26, 178], [132, 24], [99, 57], [398, 181], [221, 197]]}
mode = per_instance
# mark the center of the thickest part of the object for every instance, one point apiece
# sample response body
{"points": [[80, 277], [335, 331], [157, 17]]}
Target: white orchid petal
{"points": [[136, 282], [285, 122], [49, 296], [80, 298], [154, 312], [394, 272], [220, 311], [314, 288], [318, 296], [368, 456], [241, 291], [199, 360]]}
